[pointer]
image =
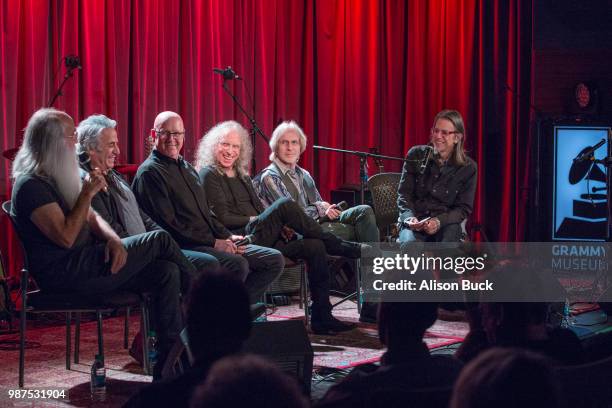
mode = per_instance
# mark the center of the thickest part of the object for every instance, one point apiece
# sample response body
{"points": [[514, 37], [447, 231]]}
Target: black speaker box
{"points": [[350, 194], [286, 343]]}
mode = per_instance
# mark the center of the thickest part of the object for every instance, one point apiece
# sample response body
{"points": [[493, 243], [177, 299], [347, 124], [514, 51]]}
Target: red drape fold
{"points": [[355, 74]]}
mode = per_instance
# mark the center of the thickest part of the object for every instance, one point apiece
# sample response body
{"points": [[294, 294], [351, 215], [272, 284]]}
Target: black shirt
{"points": [[171, 193], [232, 199], [444, 191], [47, 261], [241, 195]]}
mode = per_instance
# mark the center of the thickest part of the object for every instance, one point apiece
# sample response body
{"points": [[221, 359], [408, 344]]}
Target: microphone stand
{"points": [[363, 179], [254, 127], [363, 165], [69, 73]]}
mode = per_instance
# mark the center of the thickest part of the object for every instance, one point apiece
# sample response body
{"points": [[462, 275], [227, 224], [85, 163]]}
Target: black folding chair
{"points": [[37, 301], [383, 187]]}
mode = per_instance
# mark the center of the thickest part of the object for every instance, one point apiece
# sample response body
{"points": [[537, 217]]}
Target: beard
{"points": [[64, 172]]}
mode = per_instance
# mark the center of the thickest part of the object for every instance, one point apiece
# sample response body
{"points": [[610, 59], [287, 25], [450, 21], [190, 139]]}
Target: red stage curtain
{"points": [[355, 74]]}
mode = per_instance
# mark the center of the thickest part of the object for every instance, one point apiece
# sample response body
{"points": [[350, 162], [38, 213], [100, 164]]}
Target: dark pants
{"points": [[257, 267], [285, 212], [313, 252], [313, 248], [202, 262], [154, 264]]}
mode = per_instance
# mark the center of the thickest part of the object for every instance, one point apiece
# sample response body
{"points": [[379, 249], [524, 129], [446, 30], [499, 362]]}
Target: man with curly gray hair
{"points": [[223, 160]]}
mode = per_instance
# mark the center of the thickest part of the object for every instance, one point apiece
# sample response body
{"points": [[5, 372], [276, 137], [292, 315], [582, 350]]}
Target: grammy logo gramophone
{"points": [[589, 210]]}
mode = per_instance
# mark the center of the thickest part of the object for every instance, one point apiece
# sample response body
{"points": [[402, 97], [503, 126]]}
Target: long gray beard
{"points": [[65, 175]]}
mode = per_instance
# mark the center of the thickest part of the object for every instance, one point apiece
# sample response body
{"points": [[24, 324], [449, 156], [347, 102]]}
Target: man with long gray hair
{"points": [[76, 251], [284, 178], [223, 158]]}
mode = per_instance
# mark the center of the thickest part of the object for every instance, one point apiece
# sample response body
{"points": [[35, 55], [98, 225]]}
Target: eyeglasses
{"points": [[443, 132], [165, 133], [73, 136]]}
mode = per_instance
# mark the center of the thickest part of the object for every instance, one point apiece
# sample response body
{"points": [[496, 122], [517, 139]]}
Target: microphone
{"points": [[589, 152], [342, 205], [249, 239], [425, 160], [227, 73], [72, 62]]}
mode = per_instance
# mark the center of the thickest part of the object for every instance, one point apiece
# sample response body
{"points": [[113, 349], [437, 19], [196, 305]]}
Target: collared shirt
{"points": [[445, 191], [270, 187], [297, 177], [171, 193]]}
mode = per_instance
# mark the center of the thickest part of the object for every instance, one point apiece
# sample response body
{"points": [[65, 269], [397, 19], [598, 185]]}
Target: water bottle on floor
{"points": [[98, 380], [153, 350]]}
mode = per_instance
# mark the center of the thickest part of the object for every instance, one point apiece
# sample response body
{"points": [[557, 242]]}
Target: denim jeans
{"points": [[363, 222]]}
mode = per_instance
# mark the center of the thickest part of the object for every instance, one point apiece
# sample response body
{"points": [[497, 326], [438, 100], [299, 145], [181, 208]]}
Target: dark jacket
{"points": [[104, 203], [170, 191], [223, 202], [271, 185], [446, 192]]}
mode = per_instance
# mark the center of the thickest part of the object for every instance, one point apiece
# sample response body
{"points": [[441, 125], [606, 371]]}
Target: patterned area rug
{"points": [[361, 345], [45, 356]]}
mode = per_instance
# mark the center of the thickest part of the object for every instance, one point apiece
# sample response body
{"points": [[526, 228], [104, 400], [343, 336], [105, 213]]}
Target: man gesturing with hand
{"points": [[75, 250]]}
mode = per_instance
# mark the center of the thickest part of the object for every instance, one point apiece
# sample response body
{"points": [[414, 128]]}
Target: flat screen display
{"points": [[579, 187]]}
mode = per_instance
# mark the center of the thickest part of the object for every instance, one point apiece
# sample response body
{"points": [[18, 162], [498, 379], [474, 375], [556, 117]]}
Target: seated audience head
{"points": [[510, 322], [247, 380], [399, 322], [98, 139], [287, 143], [48, 150], [506, 377], [218, 315], [227, 147], [168, 134]]}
